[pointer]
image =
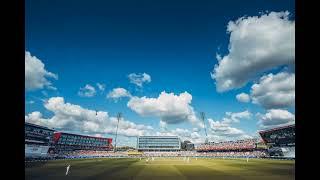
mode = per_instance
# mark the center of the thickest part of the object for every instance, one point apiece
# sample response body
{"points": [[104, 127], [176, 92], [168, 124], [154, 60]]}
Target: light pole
{"points": [[115, 141], [203, 117]]}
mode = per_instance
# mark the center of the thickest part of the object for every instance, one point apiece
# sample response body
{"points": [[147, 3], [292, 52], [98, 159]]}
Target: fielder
{"points": [[68, 167]]}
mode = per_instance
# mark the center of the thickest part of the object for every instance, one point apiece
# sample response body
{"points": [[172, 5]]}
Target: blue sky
{"points": [[175, 43]]}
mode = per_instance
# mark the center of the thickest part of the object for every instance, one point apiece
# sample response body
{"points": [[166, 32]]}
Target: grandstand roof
{"points": [[81, 135], [160, 136], [277, 128], [38, 126], [33, 141]]}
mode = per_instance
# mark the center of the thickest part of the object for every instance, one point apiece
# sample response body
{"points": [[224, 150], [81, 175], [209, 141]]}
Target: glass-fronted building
{"points": [[66, 142], [158, 143]]}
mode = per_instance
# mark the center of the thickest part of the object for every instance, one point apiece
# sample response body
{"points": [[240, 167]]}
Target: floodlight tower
{"points": [[115, 141], [203, 117]]}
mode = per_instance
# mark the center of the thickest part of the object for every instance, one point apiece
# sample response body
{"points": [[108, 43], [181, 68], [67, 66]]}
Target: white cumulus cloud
{"points": [[71, 117], [170, 108], [223, 131], [183, 134], [275, 118], [36, 76], [87, 91], [139, 79], [243, 97], [256, 44], [274, 91], [118, 93], [236, 117], [36, 118]]}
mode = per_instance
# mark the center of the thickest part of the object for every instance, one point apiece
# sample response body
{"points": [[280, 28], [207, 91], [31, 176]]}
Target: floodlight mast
{"points": [[115, 141], [203, 117]]}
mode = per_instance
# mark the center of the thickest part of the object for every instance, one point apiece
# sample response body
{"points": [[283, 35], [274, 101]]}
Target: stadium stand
{"points": [[38, 141], [67, 142], [249, 144], [239, 148], [280, 141], [43, 143]]}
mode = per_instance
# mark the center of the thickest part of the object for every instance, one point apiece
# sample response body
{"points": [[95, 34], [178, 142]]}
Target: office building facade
{"points": [[158, 143]]}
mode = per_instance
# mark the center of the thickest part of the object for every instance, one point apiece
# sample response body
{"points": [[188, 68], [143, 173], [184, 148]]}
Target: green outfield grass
{"points": [[162, 169]]}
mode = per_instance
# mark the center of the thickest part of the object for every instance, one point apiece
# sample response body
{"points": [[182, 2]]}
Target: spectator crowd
{"points": [[249, 144], [90, 153], [241, 148]]}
